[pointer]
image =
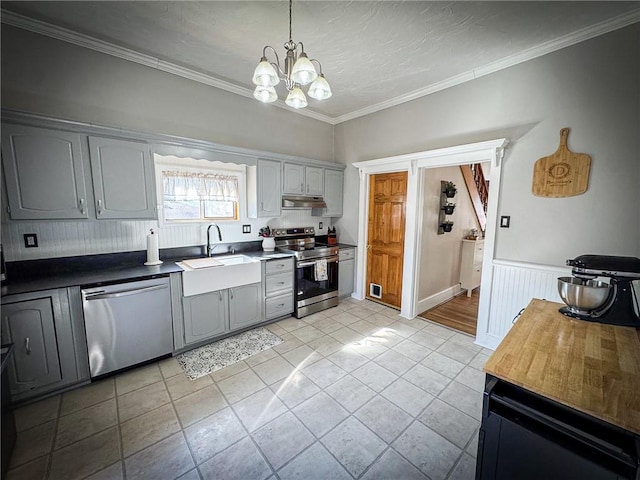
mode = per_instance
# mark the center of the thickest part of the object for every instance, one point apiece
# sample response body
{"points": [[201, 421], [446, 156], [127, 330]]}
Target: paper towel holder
{"points": [[153, 255]]}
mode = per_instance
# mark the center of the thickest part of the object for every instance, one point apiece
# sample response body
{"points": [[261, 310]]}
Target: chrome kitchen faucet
{"points": [[209, 247]]}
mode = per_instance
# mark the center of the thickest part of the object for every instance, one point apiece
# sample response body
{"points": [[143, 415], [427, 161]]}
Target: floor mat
{"points": [[214, 356]]}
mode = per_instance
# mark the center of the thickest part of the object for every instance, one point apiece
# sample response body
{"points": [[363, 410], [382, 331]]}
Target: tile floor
{"points": [[353, 392]]}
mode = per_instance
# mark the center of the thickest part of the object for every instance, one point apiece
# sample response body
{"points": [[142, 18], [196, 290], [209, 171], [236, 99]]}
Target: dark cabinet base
{"points": [[528, 437]]}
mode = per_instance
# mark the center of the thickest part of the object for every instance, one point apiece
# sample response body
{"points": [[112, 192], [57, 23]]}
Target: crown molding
{"points": [[92, 43], [82, 40], [578, 36]]}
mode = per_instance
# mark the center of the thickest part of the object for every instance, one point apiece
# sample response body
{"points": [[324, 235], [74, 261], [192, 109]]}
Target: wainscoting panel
{"points": [[513, 286]]}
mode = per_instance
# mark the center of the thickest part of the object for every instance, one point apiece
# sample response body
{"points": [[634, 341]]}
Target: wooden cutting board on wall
{"points": [[562, 174]]}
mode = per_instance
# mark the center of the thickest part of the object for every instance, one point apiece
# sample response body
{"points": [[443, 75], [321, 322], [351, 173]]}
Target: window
{"points": [[194, 196]]}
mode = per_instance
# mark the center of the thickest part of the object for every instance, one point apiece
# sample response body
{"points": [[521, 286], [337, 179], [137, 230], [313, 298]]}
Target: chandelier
{"points": [[298, 70]]}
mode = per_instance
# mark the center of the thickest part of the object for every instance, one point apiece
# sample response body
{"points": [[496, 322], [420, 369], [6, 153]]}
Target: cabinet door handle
{"points": [[302, 187], [220, 295], [99, 207], [231, 293], [27, 347], [81, 205]]}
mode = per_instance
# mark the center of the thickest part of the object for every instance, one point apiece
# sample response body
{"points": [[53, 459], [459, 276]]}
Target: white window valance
{"points": [[199, 186]]}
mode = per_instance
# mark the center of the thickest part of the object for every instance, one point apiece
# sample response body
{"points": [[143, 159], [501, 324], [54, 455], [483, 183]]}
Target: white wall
{"points": [[50, 77], [591, 87], [440, 255]]}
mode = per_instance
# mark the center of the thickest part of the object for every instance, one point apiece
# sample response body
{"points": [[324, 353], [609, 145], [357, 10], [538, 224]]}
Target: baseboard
{"points": [[438, 298]]}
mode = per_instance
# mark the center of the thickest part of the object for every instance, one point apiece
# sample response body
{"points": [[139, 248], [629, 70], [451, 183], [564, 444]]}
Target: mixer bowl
{"points": [[583, 296]]}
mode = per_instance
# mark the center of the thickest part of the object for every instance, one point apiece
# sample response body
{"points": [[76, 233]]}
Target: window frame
{"points": [[192, 165]]}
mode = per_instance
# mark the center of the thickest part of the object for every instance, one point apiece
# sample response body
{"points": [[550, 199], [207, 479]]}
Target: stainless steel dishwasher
{"points": [[127, 324]]}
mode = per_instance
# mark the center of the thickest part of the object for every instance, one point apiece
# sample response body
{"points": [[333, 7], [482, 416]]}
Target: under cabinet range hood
{"points": [[301, 201]]}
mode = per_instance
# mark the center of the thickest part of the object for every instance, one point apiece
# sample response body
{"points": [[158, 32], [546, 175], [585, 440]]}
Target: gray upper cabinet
{"points": [[333, 187], [302, 180], [269, 188], [123, 181], [314, 181], [44, 173], [293, 179]]}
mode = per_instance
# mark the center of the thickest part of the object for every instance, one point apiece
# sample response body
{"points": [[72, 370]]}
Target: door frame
{"points": [[413, 163]]}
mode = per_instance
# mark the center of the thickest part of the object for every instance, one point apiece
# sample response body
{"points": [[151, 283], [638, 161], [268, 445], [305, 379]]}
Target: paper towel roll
{"points": [[153, 254]]}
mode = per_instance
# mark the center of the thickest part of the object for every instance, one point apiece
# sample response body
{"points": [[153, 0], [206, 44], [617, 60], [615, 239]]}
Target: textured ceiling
{"points": [[371, 52]]}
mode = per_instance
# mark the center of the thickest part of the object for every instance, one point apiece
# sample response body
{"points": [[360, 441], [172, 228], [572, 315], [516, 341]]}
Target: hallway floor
{"points": [[353, 392], [459, 313]]}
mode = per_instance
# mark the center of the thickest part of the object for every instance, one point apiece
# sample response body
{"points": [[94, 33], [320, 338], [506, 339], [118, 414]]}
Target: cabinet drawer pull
{"points": [[99, 207], [81, 205], [280, 283], [27, 347], [280, 305]]}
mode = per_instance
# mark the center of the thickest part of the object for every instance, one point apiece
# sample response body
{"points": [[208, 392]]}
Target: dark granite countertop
{"points": [[94, 270]]}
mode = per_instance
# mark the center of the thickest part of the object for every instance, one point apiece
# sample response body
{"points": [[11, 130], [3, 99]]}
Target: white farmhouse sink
{"points": [[202, 275]]}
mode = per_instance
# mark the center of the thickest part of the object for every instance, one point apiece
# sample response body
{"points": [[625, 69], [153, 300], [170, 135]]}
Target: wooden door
{"points": [[385, 249]]}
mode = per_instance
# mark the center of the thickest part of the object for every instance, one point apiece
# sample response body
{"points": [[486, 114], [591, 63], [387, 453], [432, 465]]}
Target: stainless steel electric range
{"points": [[316, 279]]}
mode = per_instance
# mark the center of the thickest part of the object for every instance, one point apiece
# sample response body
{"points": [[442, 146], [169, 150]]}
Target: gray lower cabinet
{"points": [[213, 314], [346, 271], [50, 348], [278, 287], [205, 316], [245, 305]]}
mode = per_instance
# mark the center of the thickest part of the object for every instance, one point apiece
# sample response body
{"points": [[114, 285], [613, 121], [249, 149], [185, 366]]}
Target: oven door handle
{"points": [[313, 262]]}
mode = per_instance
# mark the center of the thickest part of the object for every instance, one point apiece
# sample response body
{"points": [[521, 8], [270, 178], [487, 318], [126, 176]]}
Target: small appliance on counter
{"points": [[332, 238], [613, 303]]}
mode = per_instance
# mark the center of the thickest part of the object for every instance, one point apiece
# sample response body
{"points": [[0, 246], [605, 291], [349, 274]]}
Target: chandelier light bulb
{"points": [[265, 75], [265, 94], [303, 71], [296, 98], [320, 89]]}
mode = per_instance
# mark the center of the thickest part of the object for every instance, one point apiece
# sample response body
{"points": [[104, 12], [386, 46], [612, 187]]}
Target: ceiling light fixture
{"points": [[297, 71]]}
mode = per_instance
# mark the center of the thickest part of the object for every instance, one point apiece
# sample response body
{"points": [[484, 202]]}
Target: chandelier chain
{"points": [[290, 35]]}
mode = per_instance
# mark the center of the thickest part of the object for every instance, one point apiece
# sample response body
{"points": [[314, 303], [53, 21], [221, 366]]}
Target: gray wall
{"points": [[591, 87], [50, 77]]}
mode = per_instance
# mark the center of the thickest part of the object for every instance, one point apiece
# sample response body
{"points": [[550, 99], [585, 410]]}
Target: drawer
{"points": [[279, 265], [347, 253], [279, 306], [278, 282]]}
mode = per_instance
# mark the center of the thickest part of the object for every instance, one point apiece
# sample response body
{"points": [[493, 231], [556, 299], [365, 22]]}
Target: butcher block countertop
{"points": [[591, 367]]}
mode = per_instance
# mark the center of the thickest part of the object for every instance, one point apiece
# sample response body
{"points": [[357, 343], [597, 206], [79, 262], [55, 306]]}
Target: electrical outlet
{"points": [[246, 228], [320, 225], [30, 240]]}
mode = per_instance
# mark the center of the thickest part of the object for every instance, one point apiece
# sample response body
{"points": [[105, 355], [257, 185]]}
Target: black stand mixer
{"points": [[587, 299]]}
